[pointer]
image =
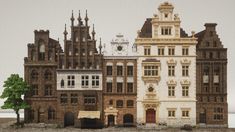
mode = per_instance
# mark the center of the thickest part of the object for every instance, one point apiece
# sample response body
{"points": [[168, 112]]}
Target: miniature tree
{"points": [[14, 88]]}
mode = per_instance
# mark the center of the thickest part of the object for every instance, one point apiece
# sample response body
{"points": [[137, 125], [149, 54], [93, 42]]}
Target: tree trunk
{"points": [[18, 117]]}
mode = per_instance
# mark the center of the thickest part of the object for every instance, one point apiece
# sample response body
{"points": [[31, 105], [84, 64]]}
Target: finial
{"points": [[86, 18], [79, 18], [193, 34], [65, 30], [100, 46], [72, 18], [93, 32]]}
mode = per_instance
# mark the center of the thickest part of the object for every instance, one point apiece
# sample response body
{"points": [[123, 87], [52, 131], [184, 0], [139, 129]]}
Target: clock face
{"points": [[119, 48]]}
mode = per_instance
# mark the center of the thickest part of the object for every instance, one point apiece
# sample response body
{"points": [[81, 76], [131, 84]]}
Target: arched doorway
{"points": [[128, 119], [150, 116], [202, 116], [68, 119], [111, 119]]}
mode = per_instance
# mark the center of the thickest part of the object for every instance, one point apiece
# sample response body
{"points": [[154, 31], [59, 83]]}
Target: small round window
{"points": [[150, 89]]}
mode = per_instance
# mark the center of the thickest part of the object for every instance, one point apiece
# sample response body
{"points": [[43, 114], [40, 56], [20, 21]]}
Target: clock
{"points": [[119, 48]]}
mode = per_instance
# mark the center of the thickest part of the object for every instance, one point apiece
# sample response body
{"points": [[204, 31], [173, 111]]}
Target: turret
{"points": [[93, 33]]}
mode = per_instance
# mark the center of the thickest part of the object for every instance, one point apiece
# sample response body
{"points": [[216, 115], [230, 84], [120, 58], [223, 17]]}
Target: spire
{"points": [[79, 18], [86, 18], [100, 46], [65, 33], [72, 19], [93, 32]]}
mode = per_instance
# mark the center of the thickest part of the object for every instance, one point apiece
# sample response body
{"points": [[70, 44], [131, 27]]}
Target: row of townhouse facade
{"points": [[165, 78]]}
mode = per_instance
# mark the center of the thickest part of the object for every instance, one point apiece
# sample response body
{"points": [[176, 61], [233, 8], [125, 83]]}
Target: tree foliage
{"points": [[14, 88]]}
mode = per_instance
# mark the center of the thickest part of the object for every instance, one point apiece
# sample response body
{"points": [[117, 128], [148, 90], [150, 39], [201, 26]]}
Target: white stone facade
{"points": [[92, 76], [153, 91]]}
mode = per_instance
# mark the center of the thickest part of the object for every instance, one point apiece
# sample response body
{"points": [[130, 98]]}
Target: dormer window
{"points": [[166, 30]]}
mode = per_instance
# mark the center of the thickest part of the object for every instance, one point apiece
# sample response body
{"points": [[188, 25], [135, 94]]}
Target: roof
{"points": [[146, 30]]}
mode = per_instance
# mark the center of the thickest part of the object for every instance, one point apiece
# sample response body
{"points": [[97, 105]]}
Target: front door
{"points": [[202, 116], [150, 116], [68, 119], [111, 120]]}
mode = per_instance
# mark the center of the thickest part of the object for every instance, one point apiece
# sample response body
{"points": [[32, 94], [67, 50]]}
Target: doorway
{"points": [[202, 116], [69, 119], [111, 119], [150, 116]]}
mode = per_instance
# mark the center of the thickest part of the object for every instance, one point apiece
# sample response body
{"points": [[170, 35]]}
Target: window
{"points": [[166, 15], [71, 81], [147, 50], [129, 87], [218, 113], [185, 51], [211, 55], [206, 70], [130, 103], [63, 98], [109, 70], [41, 51], [34, 90], [150, 70], [185, 70], [50, 57], [70, 50], [95, 81], [129, 70], [74, 98], [207, 44], [185, 113], [119, 103], [171, 70], [111, 102], [211, 33], [171, 113], [171, 90], [215, 44], [47, 75], [109, 87], [51, 114], [161, 51], [33, 58], [31, 114], [89, 100], [119, 70], [48, 90], [171, 51], [166, 30], [185, 91], [34, 75], [62, 83], [119, 87], [85, 81]]}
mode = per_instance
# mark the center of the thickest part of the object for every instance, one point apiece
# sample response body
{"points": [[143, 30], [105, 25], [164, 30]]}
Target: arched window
{"points": [[51, 114], [47, 75], [41, 50], [34, 75], [62, 83]]}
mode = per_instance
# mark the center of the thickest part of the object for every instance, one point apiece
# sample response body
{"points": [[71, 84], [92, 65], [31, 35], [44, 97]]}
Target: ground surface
{"points": [[6, 122]]}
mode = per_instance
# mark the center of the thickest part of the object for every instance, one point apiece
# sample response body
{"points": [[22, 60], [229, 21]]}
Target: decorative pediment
{"points": [[171, 82], [171, 62], [185, 61], [185, 82]]}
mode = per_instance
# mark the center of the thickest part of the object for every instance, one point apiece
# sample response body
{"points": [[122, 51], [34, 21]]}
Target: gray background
{"points": [[19, 18]]}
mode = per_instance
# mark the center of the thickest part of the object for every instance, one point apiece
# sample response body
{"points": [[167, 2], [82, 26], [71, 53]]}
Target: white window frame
{"points": [[95, 81], [85, 81]]}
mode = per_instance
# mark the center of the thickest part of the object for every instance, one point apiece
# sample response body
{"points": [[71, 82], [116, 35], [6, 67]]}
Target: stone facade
{"points": [[119, 84], [166, 66], [212, 107]]}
